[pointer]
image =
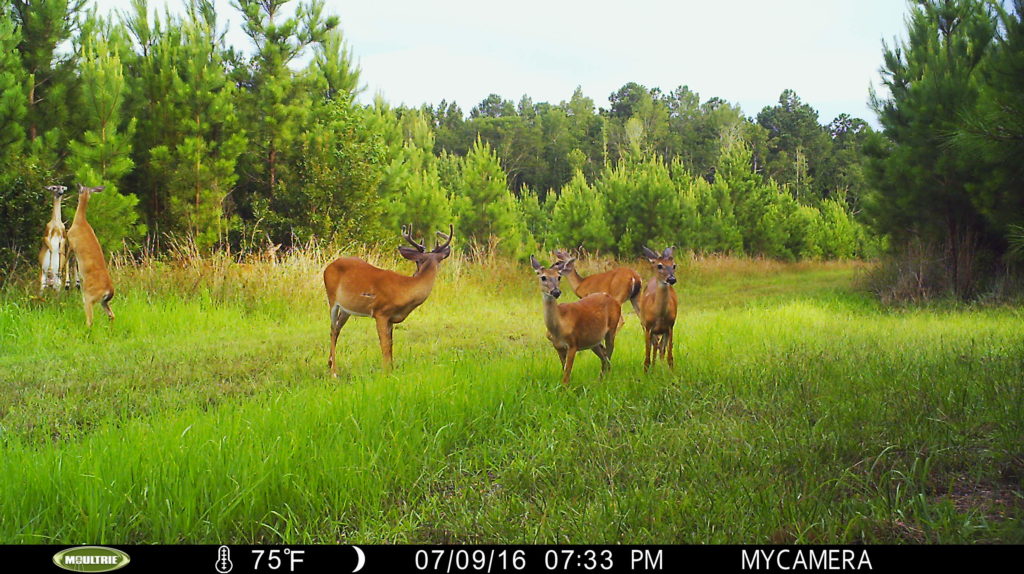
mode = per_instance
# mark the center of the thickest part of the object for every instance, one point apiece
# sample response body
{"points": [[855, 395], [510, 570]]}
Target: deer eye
{"points": [[660, 266], [543, 278]]}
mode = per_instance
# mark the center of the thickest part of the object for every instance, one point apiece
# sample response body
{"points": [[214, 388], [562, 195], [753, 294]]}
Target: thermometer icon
{"points": [[224, 564]]}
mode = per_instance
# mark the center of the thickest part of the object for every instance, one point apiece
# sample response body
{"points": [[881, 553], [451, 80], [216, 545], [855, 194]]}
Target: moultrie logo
{"points": [[91, 559]]}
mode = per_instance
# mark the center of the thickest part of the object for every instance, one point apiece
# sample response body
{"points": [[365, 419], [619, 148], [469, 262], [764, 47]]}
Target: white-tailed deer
{"points": [[590, 323], [91, 267], [354, 287], [622, 283], [53, 257], [658, 307]]}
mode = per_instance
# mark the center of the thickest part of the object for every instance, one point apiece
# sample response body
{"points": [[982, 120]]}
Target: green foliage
{"points": [[336, 177], [102, 155], [641, 203], [482, 202], [579, 217], [197, 168], [51, 84], [224, 146], [927, 188], [12, 100]]}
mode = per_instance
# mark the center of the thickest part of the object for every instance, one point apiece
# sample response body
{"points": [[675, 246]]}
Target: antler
{"points": [[447, 238], [407, 235]]}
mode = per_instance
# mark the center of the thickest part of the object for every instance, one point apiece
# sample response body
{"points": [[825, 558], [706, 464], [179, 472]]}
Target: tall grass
{"points": [[799, 411]]}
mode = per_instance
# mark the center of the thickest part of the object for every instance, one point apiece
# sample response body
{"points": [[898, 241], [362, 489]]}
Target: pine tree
{"points": [[482, 201], [45, 25], [579, 218], [920, 180], [102, 155], [276, 104]]}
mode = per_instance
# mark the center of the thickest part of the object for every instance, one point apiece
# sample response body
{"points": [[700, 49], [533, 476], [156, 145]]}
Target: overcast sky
{"points": [[743, 51]]}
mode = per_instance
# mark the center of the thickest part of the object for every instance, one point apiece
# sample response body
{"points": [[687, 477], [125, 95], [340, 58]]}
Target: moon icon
{"points": [[361, 559]]}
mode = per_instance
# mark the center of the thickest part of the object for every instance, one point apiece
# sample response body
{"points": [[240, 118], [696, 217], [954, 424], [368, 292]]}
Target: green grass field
{"points": [[799, 411]]}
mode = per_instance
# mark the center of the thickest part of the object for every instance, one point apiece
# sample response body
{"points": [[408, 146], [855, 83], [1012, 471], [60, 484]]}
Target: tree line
{"points": [[194, 138]]}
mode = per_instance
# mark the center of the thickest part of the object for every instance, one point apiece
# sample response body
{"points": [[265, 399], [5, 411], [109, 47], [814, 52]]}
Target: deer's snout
{"points": [[556, 293]]}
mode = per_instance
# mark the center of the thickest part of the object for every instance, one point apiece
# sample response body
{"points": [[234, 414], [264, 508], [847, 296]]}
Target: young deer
{"points": [[354, 287], [590, 323], [53, 257], [91, 267], [658, 307], [622, 283]]}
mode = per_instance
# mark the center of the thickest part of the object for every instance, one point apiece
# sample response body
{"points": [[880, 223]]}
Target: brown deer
{"points": [[354, 287], [590, 323], [53, 257], [622, 283], [658, 307], [91, 268]]}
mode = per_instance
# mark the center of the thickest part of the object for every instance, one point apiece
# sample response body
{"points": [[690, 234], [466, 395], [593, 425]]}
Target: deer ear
{"points": [[535, 264], [668, 252], [410, 253], [648, 253], [566, 266]]}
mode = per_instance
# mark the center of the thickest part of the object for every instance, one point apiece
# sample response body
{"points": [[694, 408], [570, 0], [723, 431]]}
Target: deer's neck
{"points": [[83, 204], [661, 297], [56, 217], [552, 319], [574, 279], [423, 281]]}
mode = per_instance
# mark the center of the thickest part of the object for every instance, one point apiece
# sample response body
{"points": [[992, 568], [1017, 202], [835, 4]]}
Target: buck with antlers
{"points": [[53, 257], [354, 287], [658, 307], [90, 265], [621, 283], [590, 323]]}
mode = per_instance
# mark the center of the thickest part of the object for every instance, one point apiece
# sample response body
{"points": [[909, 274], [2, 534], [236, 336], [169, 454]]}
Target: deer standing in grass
{"points": [[590, 323], [354, 287], [621, 283], [91, 268], [658, 307], [53, 257]]}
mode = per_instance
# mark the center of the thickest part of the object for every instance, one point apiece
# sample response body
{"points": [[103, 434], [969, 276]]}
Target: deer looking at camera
{"points": [[53, 257], [354, 287], [621, 283], [658, 307], [590, 323], [91, 268]]}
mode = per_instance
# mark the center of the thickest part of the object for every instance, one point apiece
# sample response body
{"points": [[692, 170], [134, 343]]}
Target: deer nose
{"points": [[672, 280], [556, 293]]}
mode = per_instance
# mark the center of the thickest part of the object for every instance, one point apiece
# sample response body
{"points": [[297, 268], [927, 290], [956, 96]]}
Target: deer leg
{"points": [[602, 352], [647, 349], [338, 319], [384, 332], [671, 359], [70, 269], [570, 356], [561, 356], [106, 305], [88, 309]]}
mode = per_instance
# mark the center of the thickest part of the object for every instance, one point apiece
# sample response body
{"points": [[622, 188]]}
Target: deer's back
{"points": [[620, 283]]}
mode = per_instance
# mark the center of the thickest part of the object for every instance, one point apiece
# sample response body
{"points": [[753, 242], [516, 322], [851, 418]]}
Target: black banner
{"points": [[372, 559]]}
